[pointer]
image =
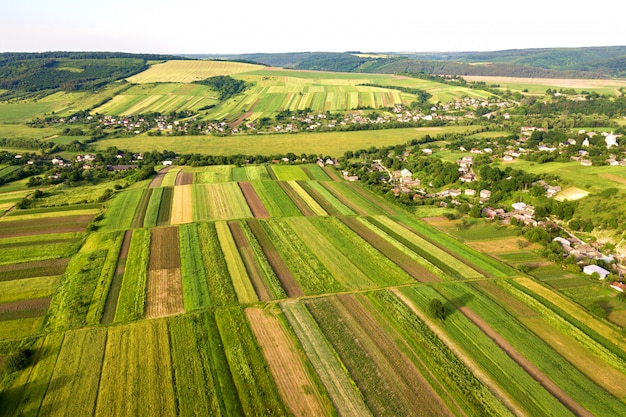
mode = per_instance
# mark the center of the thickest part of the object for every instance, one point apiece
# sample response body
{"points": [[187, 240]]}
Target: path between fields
{"points": [[528, 366]]}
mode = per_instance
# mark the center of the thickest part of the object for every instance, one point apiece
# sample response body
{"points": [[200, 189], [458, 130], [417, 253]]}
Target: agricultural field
{"points": [[189, 71], [283, 290]]}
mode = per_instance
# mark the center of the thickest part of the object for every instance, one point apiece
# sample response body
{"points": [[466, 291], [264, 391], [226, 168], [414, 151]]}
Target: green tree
{"points": [[436, 309]]}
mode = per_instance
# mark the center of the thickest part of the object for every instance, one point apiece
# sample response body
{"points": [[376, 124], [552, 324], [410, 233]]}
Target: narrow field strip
{"points": [[296, 387], [27, 288], [35, 269], [236, 268], [249, 260], [302, 206], [182, 205], [196, 292], [164, 295], [221, 290], [275, 200], [113, 295], [140, 213], [254, 202], [308, 200]]}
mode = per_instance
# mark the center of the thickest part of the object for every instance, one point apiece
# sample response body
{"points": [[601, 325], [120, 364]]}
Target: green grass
{"points": [[132, 297], [120, 213], [327, 143], [275, 200], [221, 289], [212, 174], [195, 284], [289, 173]]}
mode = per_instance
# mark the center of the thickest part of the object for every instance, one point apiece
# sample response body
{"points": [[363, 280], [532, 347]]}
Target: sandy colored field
{"points": [[164, 293], [506, 245], [614, 177], [551, 82], [182, 205], [285, 362], [184, 178], [572, 193], [249, 259], [190, 71]]}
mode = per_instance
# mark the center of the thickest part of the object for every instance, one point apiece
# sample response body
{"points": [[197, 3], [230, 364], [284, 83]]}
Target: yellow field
{"points": [[571, 193], [189, 71], [540, 85]]}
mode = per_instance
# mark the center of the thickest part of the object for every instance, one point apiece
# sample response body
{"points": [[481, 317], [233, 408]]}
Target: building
{"points": [[590, 269]]}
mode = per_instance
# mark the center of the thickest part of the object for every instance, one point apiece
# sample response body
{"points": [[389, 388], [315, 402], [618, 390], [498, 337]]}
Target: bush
{"points": [[17, 360], [436, 309]]}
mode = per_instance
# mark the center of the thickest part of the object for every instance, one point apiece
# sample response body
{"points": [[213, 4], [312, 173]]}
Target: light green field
{"points": [[327, 143], [162, 98], [20, 131], [189, 71]]}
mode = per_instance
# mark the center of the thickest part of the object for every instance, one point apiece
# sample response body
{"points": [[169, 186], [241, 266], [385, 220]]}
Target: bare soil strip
{"points": [[288, 282], [33, 269], [285, 363], [24, 308], [254, 202], [140, 214], [63, 224], [331, 173], [164, 248], [401, 259], [158, 180], [184, 178], [250, 262], [528, 366]]}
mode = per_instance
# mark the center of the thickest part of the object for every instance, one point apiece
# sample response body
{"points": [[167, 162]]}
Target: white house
{"points": [[590, 269]]}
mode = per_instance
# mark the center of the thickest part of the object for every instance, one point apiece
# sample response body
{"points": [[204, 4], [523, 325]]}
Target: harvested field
{"points": [[294, 383], [507, 245], [164, 287], [254, 202], [182, 205], [571, 193], [165, 293], [33, 269]]}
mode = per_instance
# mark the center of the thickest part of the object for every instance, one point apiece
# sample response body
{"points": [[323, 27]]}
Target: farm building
{"points": [[590, 269]]}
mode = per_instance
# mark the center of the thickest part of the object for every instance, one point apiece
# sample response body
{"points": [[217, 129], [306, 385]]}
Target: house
{"points": [[618, 286], [611, 140], [427, 151], [485, 194], [586, 163], [470, 192], [590, 269], [167, 163]]}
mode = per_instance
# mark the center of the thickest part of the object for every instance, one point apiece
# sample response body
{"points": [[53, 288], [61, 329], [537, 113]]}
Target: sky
{"points": [[270, 26]]}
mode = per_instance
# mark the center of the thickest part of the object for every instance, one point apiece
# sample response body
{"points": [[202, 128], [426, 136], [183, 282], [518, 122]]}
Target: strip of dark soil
{"points": [[165, 208], [33, 269], [164, 248], [288, 282], [254, 202], [184, 178], [401, 259], [332, 174], [24, 309], [64, 224]]}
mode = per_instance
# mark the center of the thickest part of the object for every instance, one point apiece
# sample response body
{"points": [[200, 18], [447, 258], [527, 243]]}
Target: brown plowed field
{"points": [[25, 308], [254, 202], [184, 178], [285, 363], [164, 248]]}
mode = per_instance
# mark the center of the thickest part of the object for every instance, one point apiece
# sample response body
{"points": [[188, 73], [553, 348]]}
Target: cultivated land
{"points": [[231, 268], [282, 289]]}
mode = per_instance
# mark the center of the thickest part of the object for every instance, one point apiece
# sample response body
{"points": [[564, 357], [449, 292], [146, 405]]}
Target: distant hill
{"points": [[70, 71], [591, 62]]}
